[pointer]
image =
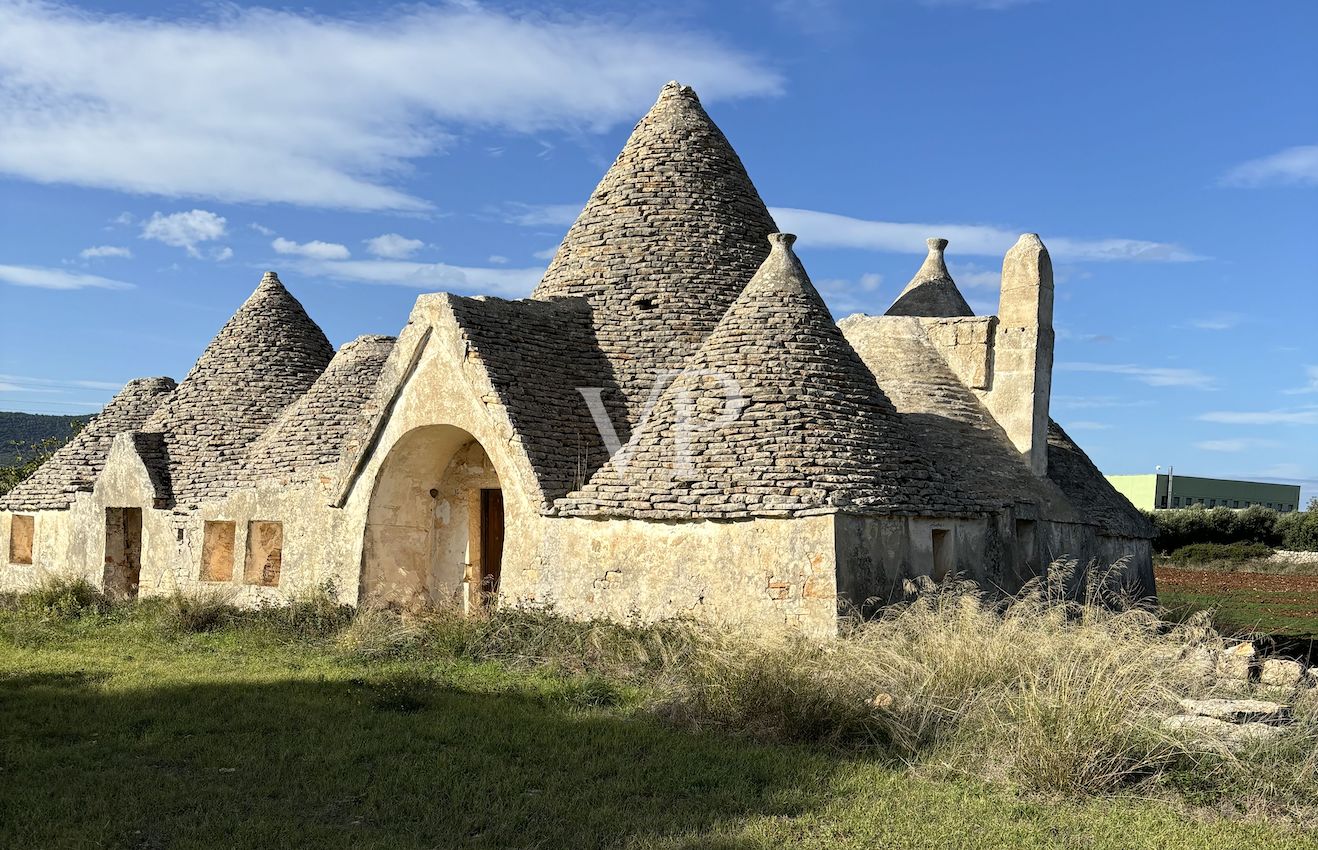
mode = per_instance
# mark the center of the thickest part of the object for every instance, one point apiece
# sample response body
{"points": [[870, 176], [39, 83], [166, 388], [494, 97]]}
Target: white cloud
{"points": [[464, 280], [847, 296], [542, 215], [105, 251], [25, 383], [829, 230], [1293, 166], [393, 246], [1154, 376], [261, 229], [1079, 402], [185, 229], [1220, 322], [315, 249], [1284, 416], [222, 254], [1087, 425], [337, 107], [971, 276], [45, 278], [498, 260], [1311, 372], [547, 254], [1236, 445]]}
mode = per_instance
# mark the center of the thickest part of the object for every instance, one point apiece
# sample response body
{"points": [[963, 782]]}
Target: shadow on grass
{"points": [[327, 764]]}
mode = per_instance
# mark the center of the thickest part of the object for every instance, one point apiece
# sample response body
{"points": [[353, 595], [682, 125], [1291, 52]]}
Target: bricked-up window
{"points": [[944, 560], [22, 528], [217, 542], [265, 552]]}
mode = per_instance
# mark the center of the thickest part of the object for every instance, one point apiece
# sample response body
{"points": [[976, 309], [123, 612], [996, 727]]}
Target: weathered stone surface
{"points": [[1237, 710], [1236, 662], [1281, 672], [932, 292], [1233, 735], [263, 359], [75, 466], [775, 414], [665, 244]]}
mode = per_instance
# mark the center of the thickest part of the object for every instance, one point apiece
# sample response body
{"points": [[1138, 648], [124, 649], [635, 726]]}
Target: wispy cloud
{"points": [[1154, 376], [1238, 444], [1087, 425], [463, 280], [1311, 372], [1218, 322], [315, 249], [830, 230], [541, 215], [47, 278], [393, 246], [1307, 415], [185, 230], [337, 107], [27, 383], [1084, 402], [104, 252], [1292, 166], [848, 296]]}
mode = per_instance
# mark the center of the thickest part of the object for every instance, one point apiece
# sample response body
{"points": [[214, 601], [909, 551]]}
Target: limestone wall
{"points": [[765, 572]]}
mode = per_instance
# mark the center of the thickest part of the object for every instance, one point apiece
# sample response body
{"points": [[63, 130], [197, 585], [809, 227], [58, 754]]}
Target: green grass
{"points": [[118, 732], [1249, 611]]}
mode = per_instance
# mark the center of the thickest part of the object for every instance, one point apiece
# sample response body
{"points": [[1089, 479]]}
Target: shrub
{"points": [[200, 610], [314, 613], [1203, 553], [1299, 531], [66, 598], [378, 633]]}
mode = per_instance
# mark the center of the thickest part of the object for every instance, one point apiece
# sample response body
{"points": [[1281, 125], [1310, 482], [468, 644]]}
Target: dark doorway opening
{"points": [[491, 541], [123, 552]]}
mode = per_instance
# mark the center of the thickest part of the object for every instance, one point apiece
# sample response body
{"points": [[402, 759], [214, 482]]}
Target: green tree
{"points": [[29, 456]]}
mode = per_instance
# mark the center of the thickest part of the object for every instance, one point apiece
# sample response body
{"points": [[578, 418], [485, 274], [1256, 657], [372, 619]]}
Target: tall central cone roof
{"points": [[812, 431], [266, 356], [932, 292], [665, 244]]}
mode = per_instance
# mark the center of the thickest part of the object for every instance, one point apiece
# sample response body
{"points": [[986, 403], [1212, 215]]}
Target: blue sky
{"points": [[155, 158]]}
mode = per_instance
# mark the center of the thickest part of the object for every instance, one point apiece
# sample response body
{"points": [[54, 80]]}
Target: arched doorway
{"points": [[434, 528]]}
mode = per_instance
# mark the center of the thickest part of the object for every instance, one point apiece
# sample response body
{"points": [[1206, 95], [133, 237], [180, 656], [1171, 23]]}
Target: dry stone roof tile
{"points": [[1089, 491], [312, 431], [537, 355], [932, 292], [949, 421], [665, 244], [813, 433], [263, 359], [76, 465]]}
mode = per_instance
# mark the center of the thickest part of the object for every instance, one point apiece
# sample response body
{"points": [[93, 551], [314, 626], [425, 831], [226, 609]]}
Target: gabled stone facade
{"points": [[672, 424]]}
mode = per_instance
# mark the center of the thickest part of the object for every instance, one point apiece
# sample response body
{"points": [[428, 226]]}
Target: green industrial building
{"points": [[1184, 491]]}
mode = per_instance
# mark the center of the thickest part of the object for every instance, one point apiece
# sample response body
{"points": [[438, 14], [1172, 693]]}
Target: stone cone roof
{"points": [[813, 433], [263, 359], [664, 245], [311, 432], [76, 465], [932, 292]]}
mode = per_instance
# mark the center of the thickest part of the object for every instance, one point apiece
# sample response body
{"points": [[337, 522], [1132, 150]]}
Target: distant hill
{"points": [[29, 428]]}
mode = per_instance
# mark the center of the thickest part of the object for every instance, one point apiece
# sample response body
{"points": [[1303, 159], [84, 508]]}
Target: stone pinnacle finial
{"points": [[270, 276], [934, 266], [673, 88], [781, 241]]}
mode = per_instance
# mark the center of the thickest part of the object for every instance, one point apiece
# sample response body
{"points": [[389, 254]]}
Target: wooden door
{"points": [[123, 552], [491, 540]]}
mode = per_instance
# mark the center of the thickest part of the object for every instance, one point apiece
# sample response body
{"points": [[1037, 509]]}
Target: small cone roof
{"points": [[266, 356], [665, 244], [812, 433], [932, 292]]}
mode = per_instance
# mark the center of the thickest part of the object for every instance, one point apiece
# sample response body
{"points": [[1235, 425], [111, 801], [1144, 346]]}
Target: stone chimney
{"points": [[1023, 351]]}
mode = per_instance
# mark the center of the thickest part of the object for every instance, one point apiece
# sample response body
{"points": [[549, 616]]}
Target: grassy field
{"points": [[1243, 601], [119, 731]]}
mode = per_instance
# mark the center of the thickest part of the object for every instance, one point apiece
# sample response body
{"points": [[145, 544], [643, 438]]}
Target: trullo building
{"points": [[672, 423]]}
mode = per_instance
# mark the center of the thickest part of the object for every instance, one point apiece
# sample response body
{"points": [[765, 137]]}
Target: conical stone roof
{"points": [[932, 292], [311, 432], [76, 465], [265, 357], [776, 415], [664, 245]]}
